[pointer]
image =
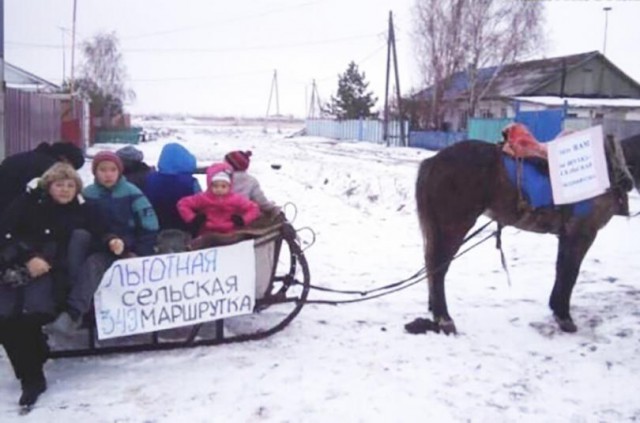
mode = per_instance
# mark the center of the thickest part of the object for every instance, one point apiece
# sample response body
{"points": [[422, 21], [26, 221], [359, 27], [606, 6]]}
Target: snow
{"points": [[355, 363]]}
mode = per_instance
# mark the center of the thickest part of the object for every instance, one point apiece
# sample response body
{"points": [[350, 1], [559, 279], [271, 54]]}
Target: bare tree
{"points": [[104, 75], [468, 35]]}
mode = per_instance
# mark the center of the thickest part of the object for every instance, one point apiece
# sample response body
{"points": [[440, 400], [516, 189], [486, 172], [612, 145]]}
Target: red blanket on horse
{"points": [[520, 143]]}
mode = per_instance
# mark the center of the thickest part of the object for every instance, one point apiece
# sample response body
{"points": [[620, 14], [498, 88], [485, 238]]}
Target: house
{"points": [[36, 111], [588, 85], [20, 79]]}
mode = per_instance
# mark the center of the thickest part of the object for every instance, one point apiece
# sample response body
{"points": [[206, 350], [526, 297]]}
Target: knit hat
{"points": [[221, 176], [60, 171], [68, 151], [130, 154], [107, 156], [239, 160]]}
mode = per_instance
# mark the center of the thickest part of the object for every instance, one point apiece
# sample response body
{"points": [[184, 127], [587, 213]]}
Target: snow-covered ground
{"points": [[355, 363]]}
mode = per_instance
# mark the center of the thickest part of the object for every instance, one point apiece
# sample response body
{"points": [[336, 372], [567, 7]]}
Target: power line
{"points": [[203, 77], [208, 50], [359, 62], [219, 22]]}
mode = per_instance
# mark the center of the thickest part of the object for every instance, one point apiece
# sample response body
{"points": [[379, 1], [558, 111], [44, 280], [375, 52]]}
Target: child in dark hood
{"points": [[173, 180], [135, 169], [223, 210]]}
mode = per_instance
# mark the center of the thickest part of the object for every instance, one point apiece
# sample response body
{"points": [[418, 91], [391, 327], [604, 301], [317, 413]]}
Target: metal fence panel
{"points": [[30, 118], [487, 129], [435, 140], [545, 125], [360, 130]]}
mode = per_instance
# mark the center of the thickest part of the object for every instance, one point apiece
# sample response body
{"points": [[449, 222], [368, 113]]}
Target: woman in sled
{"points": [[45, 236]]}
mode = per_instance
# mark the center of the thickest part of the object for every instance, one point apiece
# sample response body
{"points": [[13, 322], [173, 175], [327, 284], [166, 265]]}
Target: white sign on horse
{"points": [[146, 294], [578, 166]]}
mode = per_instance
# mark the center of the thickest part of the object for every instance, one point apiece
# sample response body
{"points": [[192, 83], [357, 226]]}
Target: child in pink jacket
{"points": [[222, 210]]}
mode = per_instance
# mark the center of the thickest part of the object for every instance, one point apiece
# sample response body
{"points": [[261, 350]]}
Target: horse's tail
{"points": [[422, 200]]}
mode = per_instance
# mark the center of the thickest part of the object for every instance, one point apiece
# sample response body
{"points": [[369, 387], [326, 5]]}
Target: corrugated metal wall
{"points": [[30, 119], [435, 140], [486, 129], [361, 130], [545, 125], [620, 129]]}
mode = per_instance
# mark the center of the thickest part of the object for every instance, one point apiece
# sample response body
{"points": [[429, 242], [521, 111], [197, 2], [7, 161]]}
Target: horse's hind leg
{"points": [[442, 245], [571, 251]]}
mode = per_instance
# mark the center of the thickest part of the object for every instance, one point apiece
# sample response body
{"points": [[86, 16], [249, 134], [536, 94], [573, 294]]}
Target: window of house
{"points": [[463, 119], [486, 113]]}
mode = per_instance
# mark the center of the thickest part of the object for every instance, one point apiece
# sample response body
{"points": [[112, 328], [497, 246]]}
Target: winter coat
{"points": [[248, 186], [136, 172], [16, 171], [34, 225], [217, 209], [170, 183], [127, 213]]}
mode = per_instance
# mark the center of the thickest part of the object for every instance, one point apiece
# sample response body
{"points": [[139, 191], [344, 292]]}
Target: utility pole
{"points": [[64, 58], [73, 53], [274, 88], [315, 102], [3, 150], [391, 49], [606, 24]]}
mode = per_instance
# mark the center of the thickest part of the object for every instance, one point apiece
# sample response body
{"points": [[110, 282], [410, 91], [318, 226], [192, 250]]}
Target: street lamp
{"points": [[606, 22]]}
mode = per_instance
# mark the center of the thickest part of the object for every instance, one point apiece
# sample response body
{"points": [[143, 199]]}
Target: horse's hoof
{"points": [[448, 327], [566, 324], [420, 325]]}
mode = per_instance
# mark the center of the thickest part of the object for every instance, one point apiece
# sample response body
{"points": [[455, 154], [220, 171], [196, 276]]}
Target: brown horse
{"points": [[468, 179]]}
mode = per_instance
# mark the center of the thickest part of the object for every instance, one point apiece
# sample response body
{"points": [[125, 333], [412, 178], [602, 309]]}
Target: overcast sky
{"points": [[218, 57]]}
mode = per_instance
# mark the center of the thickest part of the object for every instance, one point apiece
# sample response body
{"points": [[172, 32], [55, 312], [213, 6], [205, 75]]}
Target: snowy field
{"points": [[355, 363]]}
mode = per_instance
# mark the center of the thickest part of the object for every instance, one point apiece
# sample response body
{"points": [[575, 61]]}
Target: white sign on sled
{"points": [[146, 294], [578, 166]]}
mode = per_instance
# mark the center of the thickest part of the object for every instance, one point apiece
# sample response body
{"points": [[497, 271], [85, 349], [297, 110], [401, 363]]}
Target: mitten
{"points": [[237, 220]]}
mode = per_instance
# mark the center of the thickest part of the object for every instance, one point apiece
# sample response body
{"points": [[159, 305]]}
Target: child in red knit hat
{"points": [[245, 184]]}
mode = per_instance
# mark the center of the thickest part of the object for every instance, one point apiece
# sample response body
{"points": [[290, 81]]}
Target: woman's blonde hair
{"points": [[58, 172]]}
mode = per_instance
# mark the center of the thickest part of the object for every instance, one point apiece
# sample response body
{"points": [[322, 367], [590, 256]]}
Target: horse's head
{"points": [[631, 151]]}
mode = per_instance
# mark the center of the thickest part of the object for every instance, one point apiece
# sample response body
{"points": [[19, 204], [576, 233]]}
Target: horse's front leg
{"points": [[572, 247]]}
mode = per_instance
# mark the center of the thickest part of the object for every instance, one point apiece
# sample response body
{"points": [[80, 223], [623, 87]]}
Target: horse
{"points": [[468, 179]]}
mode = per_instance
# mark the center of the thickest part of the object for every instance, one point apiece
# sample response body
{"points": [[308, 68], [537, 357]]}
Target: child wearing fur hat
{"points": [[245, 184], [222, 210], [135, 169], [44, 234]]}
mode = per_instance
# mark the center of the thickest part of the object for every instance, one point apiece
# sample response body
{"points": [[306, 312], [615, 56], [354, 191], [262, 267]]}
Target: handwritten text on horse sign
{"points": [[578, 166], [146, 294]]}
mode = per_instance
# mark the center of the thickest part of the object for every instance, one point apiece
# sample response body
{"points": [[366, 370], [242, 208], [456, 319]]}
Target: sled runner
{"points": [[226, 289]]}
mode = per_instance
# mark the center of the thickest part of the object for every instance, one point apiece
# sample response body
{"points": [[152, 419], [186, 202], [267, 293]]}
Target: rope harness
{"points": [[417, 277]]}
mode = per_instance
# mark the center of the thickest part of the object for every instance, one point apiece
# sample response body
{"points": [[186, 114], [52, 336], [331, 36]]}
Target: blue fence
{"points": [[487, 129], [360, 130], [545, 125], [435, 140]]}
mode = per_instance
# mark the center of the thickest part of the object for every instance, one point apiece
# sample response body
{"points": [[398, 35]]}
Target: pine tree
{"points": [[352, 101]]}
